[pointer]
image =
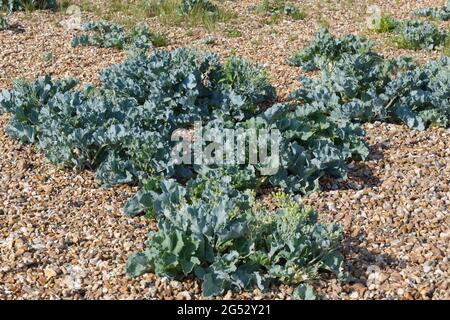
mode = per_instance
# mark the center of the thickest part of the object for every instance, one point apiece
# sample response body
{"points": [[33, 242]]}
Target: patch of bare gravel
{"points": [[63, 236]]}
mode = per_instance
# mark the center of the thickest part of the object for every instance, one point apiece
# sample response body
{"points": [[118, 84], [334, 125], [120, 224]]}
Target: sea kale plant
{"points": [[230, 242], [106, 34], [10, 6], [279, 7], [312, 146], [364, 86], [187, 6], [102, 34], [4, 23], [245, 79], [26, 101], [421, 97], [326, 49], [210, 223], [17, 5], [438, 13], [412, 34]]}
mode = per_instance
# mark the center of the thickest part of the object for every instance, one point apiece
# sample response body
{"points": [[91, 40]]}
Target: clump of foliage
{"points": [[3, 23], [210, 224], [412, 34], [26, 102], [385, 24], [106, 34], [419, 35], [10, 6], [188, 6], [223, 237], [18, 5], [242, 77], [279, 7], [234, 33], [326, 50], [439, 13], [188, 12], [365, 87], [123, 128], [311, 147]]}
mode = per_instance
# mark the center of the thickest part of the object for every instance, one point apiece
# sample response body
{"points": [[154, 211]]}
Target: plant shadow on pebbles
{"points": [[360, 261]]}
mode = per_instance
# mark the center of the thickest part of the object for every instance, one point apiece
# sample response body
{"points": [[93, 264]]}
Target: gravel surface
{"points": [[63, 236], [395, 210]]}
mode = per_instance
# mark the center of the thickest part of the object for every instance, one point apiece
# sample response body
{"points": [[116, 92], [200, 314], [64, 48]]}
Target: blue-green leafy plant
{"points": [[102, 34], [3, 23], [278, 7], [386, 24], [413, 34], [215, 230], [364, 86], [421, 97], [25, 102], [239, 75], [312, 146]]}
